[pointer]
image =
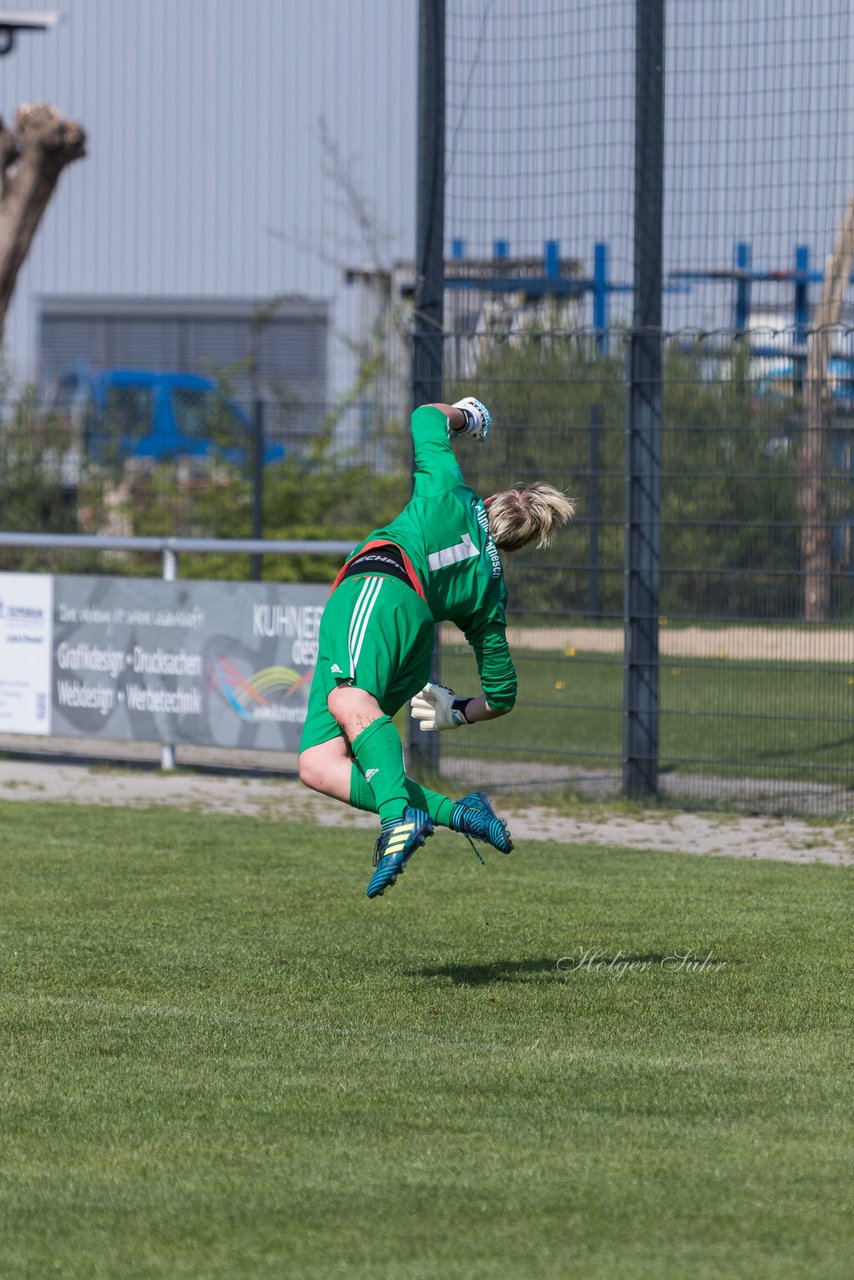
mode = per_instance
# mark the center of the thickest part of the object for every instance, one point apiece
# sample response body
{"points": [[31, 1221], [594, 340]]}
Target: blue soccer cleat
{"points": [[475, 818], [395, 846]]}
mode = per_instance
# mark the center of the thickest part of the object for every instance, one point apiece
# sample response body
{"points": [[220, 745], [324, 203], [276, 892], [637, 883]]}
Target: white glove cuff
{"points": [[477, 416], [458, 711]]}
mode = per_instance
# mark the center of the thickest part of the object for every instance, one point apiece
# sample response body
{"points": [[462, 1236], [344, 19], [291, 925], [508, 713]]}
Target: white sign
{"points": [[26, 633]]}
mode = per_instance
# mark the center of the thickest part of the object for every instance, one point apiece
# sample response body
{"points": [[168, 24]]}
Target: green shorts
{"points": [[376, 634]]}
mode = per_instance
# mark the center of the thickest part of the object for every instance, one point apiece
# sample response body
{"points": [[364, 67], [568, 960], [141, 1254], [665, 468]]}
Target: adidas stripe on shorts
{"points": [[376, 634]]}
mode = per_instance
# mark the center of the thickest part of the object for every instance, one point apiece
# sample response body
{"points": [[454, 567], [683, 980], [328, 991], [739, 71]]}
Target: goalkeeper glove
{"points": [[437, 708], [477, 416]]}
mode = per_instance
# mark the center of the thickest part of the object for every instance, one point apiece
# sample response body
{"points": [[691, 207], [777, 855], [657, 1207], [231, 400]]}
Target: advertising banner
{"points": [[225, 664], [25, 652]]}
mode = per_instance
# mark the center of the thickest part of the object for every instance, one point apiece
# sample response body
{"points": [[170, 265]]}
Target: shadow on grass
{"points": [[478, 975], [555, 968]]}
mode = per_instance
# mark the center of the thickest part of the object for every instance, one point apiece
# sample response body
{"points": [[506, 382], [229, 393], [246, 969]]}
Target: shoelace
{"points": [[474, 848]]}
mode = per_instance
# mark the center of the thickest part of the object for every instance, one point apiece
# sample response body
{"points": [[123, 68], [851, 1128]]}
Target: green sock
{"points": [[379, 754], [438, 806]]}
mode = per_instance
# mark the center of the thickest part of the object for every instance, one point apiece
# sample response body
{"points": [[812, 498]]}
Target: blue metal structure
{"points": [[743, 266], [550, 283], [790, 370], [142, 413], [743, 275]]}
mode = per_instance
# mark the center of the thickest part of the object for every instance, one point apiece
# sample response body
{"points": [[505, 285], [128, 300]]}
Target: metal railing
{"points": [[171, 548]]}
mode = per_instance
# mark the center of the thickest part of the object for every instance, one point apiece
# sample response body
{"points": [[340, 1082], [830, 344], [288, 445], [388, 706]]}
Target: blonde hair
{"points": [[527, 512]]}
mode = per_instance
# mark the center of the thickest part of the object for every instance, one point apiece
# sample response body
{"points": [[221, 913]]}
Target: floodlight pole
{"points": [[428, 312], [643, 434]]}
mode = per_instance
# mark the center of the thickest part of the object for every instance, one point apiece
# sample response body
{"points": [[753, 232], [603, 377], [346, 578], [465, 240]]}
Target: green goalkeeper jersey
{"points": [[444, 531]]}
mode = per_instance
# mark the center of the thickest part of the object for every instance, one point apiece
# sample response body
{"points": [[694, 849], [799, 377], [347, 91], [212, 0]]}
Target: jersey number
{"points": [[451, 555]]}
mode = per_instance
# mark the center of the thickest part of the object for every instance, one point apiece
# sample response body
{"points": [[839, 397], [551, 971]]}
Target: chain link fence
{"points": [[755, 705], [667, 198], [532, 254], [155, 459]]}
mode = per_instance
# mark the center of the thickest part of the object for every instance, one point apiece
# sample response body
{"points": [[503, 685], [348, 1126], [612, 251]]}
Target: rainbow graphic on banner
{"points": [[255, 697]]}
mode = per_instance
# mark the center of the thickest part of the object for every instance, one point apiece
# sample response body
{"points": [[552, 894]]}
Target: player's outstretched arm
{"points": [[467, 417], [431, 425], [437, 708]]}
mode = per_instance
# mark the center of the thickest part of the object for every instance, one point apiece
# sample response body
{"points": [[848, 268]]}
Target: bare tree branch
{"points": [[31, 161]]}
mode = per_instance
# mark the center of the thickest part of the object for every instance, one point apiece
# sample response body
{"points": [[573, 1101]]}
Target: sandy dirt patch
{"points": [[275, 798]]}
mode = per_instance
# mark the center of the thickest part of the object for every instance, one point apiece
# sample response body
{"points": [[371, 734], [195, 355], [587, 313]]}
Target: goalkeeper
{"points": [[437, 561]]}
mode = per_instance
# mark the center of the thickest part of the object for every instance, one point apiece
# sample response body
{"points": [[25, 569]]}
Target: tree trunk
{"points": [[812, 456], [31, 161], [812, 497]]}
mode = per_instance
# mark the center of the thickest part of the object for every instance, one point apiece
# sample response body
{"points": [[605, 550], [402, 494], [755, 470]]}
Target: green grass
{"points": [[773, 720], [220, 1060]]}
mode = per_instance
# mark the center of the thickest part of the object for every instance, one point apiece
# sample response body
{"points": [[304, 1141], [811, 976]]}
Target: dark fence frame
{"points": [[643, 427], [643, 405], [428, 311]]}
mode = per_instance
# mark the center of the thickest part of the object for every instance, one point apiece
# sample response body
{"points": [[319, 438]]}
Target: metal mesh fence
{"points": [[540, 154], [154, 459], [754, 658], [755, 705], [752, 445]]}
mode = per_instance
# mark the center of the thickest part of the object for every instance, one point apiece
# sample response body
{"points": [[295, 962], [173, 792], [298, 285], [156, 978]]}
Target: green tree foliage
{"points": [[730, 540], [316, 494], [36, 490], [729, 527], [730, 536], [545, 392], [46, 486]]}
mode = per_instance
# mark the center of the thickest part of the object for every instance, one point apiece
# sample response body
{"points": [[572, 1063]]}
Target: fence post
{"points": [[593, 599], [643, 434], [802, 314], [257, 482], [170, 573], [428, 313], [600, 296]]}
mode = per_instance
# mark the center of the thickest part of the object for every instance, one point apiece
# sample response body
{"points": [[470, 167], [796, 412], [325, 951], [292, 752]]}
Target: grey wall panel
{"points": [[212, 663], [188, 336]]}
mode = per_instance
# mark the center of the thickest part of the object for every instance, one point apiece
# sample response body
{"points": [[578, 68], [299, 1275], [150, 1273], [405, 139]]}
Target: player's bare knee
{"points": [[310, 773], [353, 709]]}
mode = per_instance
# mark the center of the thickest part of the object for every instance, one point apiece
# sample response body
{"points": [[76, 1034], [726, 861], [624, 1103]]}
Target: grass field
{"points": [[221, 1060], [771, 719]]}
